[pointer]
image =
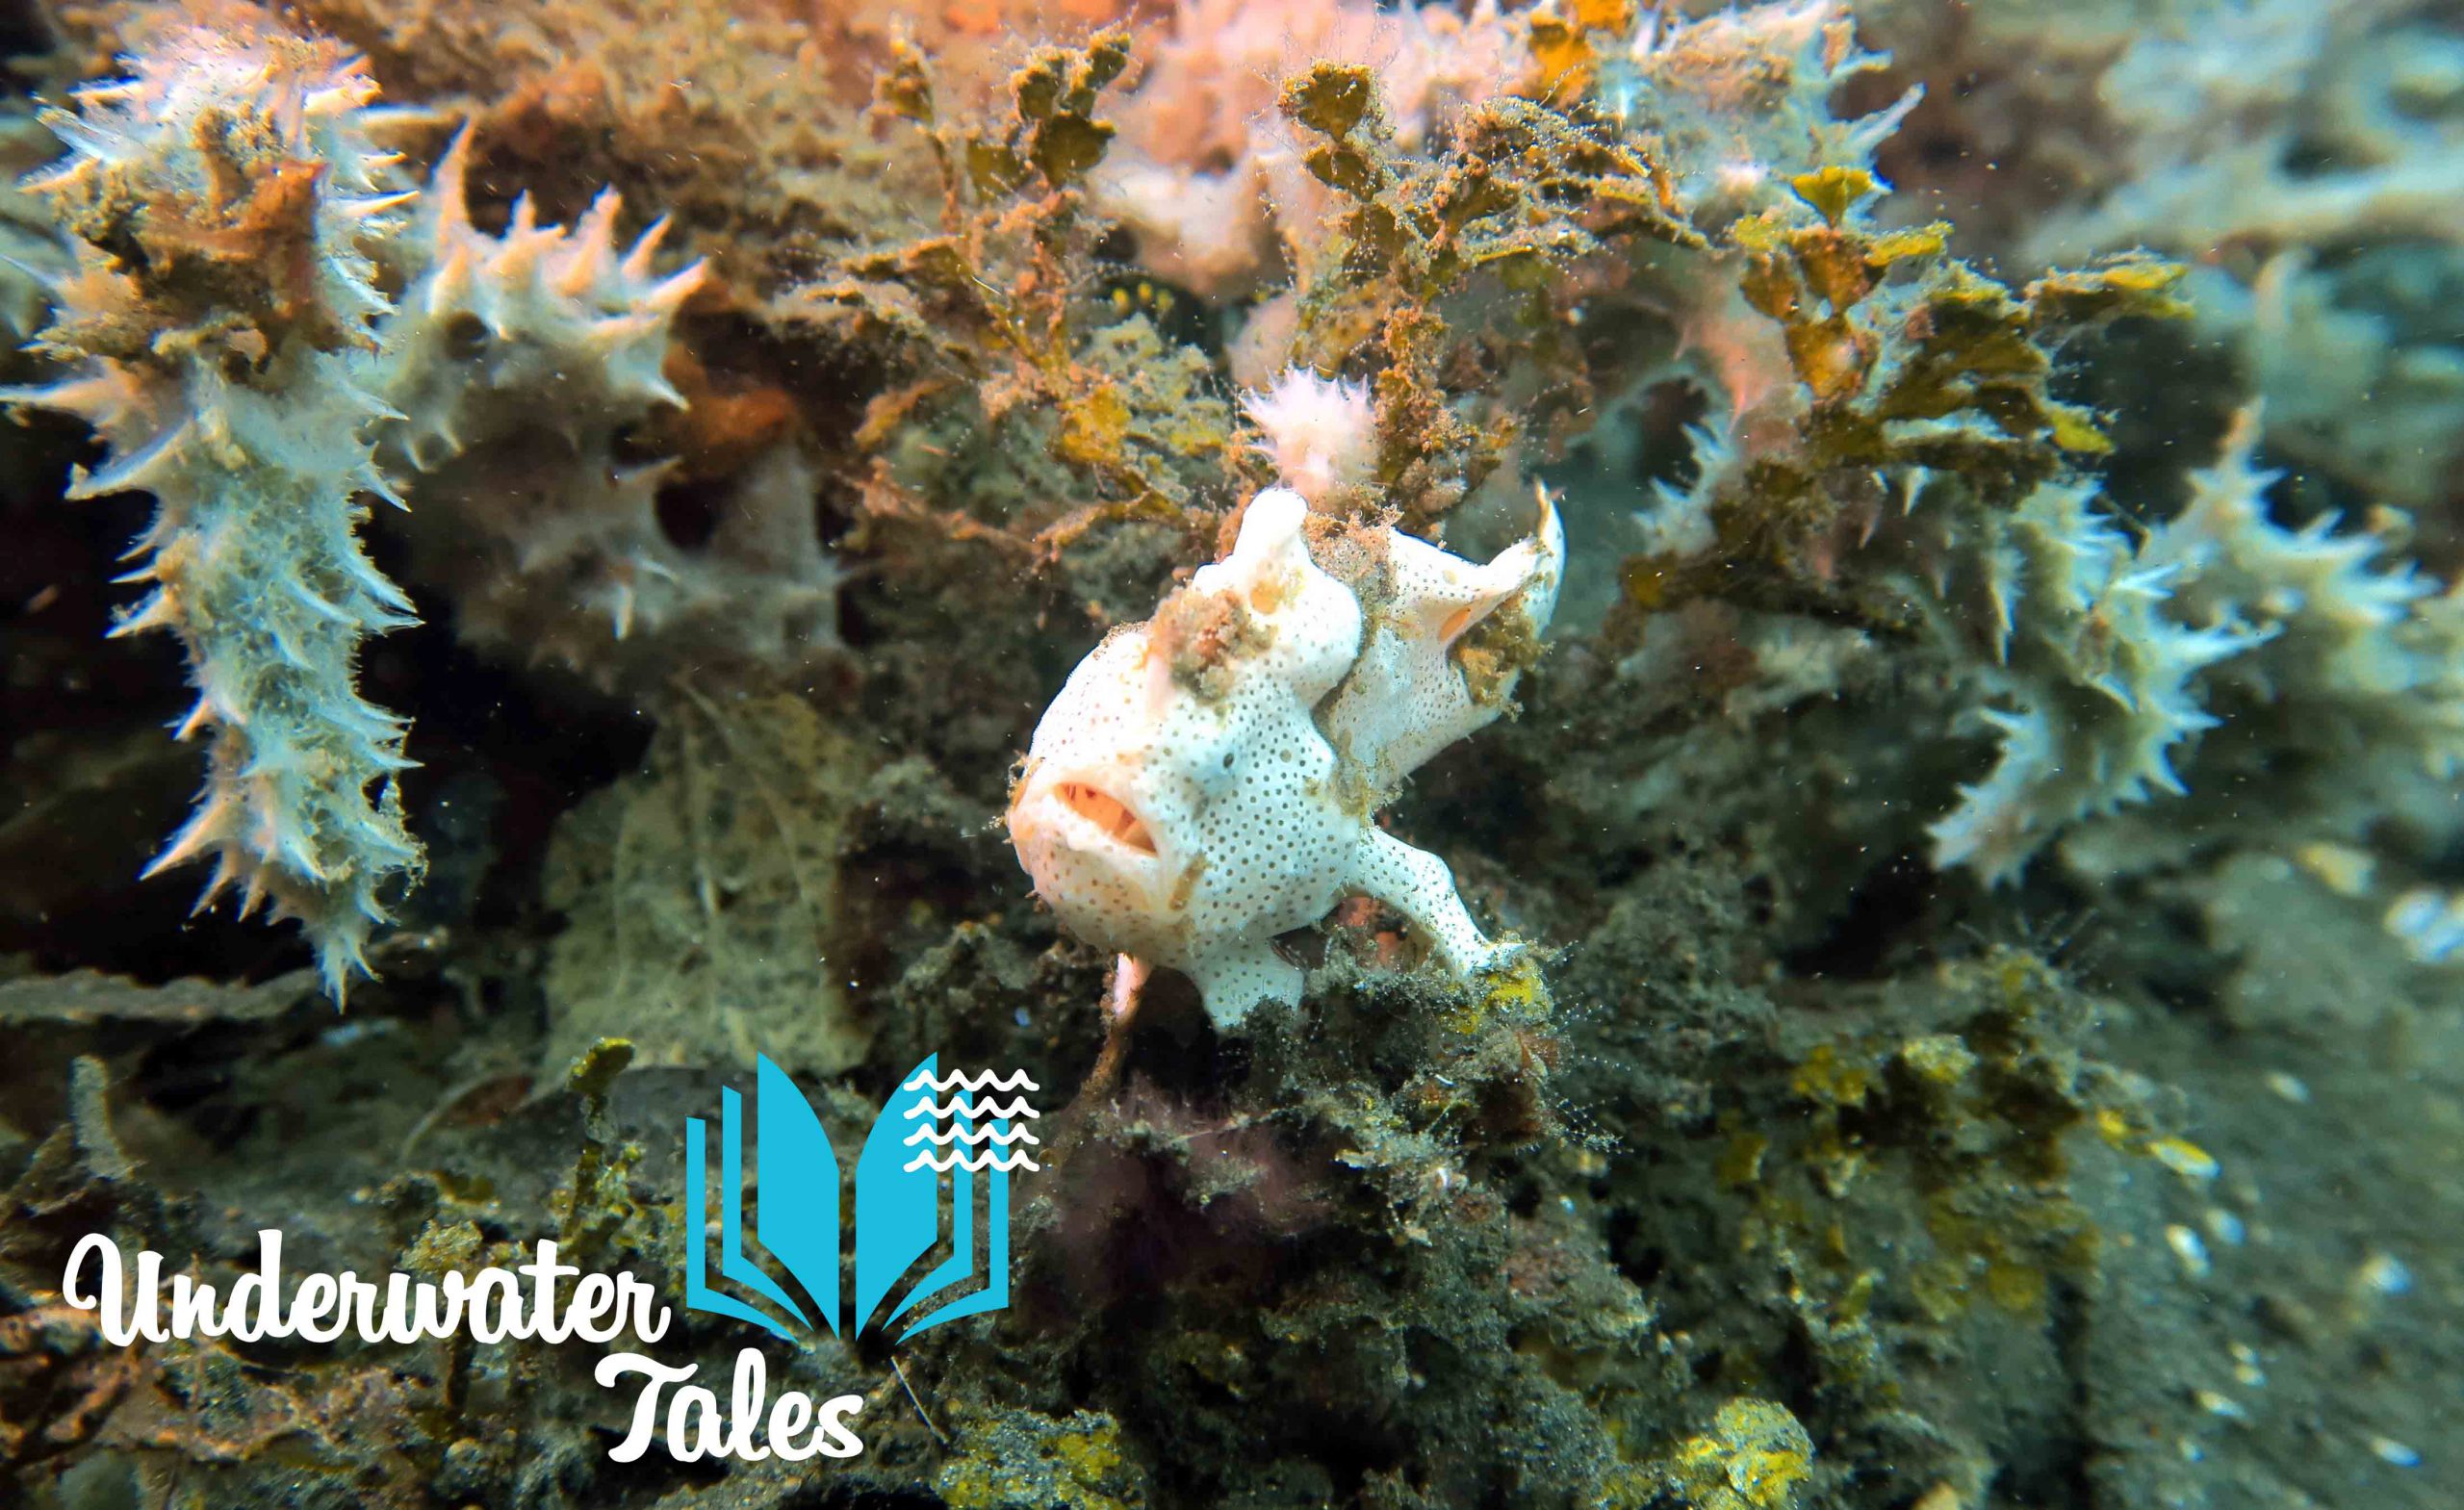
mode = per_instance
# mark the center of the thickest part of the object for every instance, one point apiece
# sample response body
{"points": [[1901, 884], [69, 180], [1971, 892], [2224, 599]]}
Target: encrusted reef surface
{"points": [[1732, 733]]}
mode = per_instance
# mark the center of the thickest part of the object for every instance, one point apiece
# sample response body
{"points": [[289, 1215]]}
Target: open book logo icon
{"points": [[933, 1177]]}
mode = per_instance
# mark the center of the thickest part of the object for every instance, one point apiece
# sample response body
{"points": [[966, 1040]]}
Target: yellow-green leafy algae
{"points": [[1015, 1461], [1754, 1456], [2303, 157], [1021, 392], [1433, 266], [1742, 100], [1035, 409], [1894, 365]]}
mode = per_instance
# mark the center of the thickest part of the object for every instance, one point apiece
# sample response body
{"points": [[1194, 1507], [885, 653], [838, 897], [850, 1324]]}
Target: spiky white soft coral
{"points": [[1320, 433], [246, 370], [1193, 791], [562, 310], [2112, 655], [2101, 676], [2374, 646], [223, 366], [524, 358]]}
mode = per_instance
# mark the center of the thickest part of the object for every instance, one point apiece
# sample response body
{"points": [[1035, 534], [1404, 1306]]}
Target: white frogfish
{"points": [[1209, 778]]}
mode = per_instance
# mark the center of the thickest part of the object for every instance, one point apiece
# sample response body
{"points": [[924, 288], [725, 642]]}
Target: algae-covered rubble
{"points": [[1933, 979]]}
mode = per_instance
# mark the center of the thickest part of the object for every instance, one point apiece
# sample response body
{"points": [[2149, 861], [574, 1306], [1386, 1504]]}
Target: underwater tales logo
{"points": [[931, 1183]]}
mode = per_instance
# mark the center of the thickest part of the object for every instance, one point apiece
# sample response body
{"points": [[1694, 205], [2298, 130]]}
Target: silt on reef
{"points": [[1894, 942]]}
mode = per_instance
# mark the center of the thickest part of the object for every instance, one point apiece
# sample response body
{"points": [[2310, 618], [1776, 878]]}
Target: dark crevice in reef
{"points": [[1889, 914], [91, 785], [689, 511], [25, 31], [497, 762], [2064, 1475]]}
